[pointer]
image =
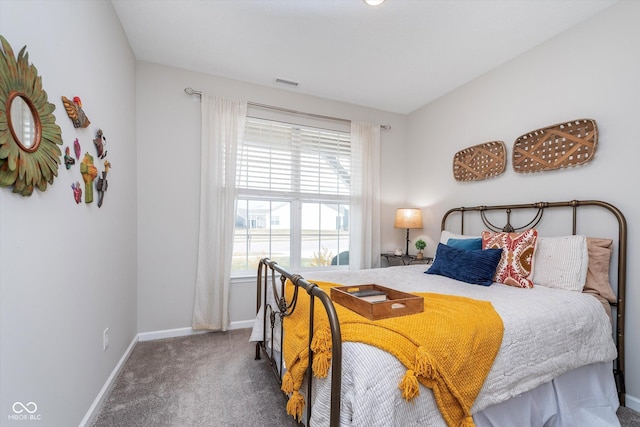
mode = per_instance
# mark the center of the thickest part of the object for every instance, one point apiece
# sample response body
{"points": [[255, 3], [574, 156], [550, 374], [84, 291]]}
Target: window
{"points": [[293, 195]]}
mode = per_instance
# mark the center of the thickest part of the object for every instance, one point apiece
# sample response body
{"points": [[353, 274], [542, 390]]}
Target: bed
{"points": [[560, 357]]}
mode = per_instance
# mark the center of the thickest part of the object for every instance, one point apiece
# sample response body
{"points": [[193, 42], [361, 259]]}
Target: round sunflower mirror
{"points": [[29, 135], [24, 122]]}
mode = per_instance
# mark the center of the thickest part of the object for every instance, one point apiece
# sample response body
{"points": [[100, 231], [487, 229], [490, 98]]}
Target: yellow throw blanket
{"points": [[450, 348]]}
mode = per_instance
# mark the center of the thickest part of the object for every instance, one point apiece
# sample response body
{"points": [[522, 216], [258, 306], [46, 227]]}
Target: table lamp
{"points": [[409, 218]]}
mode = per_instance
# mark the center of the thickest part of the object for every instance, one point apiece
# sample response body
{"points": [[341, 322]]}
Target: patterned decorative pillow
{"points": [[516, 264]]}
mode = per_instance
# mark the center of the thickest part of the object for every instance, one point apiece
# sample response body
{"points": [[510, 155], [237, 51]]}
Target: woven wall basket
{"points": [[559, 146], [479, 162]]}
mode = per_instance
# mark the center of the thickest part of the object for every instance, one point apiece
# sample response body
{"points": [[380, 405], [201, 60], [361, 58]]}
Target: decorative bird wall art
{"points": [[75, 112], [100, 142], [68, 160], [77, 192], [102, 183], [76, 148]]}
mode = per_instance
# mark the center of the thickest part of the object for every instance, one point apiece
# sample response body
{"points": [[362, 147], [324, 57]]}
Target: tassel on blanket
{"points": [[321, 364], [423, 364], [287, 383], [409, 386], [467, 422], [295, 405], [321, 347], [321, 341]]}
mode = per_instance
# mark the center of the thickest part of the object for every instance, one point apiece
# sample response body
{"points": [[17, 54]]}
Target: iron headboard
{"points": [[539, 209]]}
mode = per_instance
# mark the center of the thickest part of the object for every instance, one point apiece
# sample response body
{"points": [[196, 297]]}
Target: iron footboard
{"points": [[277, 309]]}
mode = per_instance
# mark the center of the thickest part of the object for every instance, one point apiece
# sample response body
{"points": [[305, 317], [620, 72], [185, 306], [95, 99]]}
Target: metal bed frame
{"points": [[284, 308]]}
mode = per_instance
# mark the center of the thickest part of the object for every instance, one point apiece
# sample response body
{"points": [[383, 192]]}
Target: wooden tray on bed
{"points": [[397, 303]]}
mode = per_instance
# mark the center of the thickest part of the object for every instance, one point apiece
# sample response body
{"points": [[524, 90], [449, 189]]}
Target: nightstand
{"points": [[394, 259]]}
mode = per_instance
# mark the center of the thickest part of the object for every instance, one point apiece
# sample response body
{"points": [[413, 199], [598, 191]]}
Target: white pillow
{"points": [[446, 235], [561, 262]]}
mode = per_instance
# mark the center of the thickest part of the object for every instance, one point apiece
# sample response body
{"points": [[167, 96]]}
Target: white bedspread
{"points": [[547, 332]]}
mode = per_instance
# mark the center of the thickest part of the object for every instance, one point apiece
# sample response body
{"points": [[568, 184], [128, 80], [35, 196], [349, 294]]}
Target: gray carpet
{"points": [[205, 380], [200, 380], [628, 417]]}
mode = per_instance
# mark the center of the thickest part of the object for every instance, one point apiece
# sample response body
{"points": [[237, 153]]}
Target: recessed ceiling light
{"points": [[373, 2]]}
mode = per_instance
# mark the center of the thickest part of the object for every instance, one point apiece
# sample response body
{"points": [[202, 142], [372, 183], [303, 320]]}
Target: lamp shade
{"points": [[408, 218]]}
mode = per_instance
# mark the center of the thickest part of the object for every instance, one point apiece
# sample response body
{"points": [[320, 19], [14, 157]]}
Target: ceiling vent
{"points": [[287, 82]]}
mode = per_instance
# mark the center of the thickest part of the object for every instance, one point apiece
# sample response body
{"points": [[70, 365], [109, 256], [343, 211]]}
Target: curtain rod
{"points": [[191, 91]]}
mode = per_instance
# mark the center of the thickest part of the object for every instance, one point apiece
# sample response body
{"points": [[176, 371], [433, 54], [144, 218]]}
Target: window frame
{"points": [[296, 198]]}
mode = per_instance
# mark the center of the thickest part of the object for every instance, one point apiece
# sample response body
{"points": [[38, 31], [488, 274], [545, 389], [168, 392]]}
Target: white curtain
{"points": [[223, 124], [364, 240]]}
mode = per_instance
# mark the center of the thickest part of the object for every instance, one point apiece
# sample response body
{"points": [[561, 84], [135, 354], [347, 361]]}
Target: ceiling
{"points": [[394, 57]]}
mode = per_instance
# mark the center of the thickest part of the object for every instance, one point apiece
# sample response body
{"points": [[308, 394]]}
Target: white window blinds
{"points": [[278, 159]]}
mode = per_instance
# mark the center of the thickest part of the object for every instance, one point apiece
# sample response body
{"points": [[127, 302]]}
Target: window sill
{"points": [[245, 276]]}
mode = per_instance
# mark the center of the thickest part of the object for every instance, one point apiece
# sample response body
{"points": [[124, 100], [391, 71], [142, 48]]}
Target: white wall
{"points": [[590, 71], [169, 183], [68, 271]]}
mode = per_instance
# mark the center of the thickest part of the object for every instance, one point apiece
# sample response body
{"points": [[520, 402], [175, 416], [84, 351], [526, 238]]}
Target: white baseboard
{"points": [[243, 324], [181, 332], [632, 402], [168, 333], [107, 385]]}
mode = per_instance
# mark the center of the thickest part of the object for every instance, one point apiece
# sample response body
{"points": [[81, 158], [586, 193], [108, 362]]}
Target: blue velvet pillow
{"points": [[471, 266], [468, 244]]}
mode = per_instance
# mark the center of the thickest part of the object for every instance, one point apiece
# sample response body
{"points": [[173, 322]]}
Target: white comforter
{"points": [[547, 332]]}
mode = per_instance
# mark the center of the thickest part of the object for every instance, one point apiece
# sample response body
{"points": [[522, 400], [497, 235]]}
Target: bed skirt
{"points": [[585, 396]]}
